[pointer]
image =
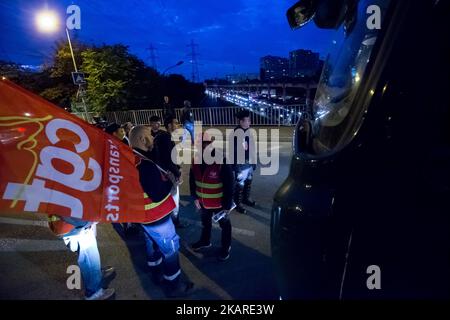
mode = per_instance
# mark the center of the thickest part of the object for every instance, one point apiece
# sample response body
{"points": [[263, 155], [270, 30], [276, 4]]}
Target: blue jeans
{"points": [[162, 244], [85, 243]]}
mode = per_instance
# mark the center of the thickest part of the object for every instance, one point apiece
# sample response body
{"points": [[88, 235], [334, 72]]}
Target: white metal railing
{"points": [[217, 116]]}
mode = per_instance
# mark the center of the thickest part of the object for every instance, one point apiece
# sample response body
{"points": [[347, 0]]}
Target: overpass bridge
{"points": [[266, 114]]}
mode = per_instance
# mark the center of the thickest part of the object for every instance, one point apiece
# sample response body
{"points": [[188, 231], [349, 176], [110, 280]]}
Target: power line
{"points": [[194, 55], [153, 56]]}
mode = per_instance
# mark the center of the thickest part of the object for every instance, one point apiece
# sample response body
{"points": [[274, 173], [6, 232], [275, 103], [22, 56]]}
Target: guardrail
{"points": [[217, 116]]}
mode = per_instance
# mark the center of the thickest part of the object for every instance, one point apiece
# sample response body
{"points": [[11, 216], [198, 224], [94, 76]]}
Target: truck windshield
{"points": [[336, 117]]}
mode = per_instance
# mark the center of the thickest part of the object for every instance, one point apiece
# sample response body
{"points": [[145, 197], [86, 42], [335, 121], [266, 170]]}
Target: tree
{"points": [[144, 85], [116, 80], [180, 89], [109, 70], [59, 87]]}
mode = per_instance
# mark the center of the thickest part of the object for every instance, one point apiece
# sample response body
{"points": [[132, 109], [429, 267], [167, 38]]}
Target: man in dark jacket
{"points": [[187, 121], [117, 131], [168, 108], [212, 190], [243, 168], [155, 125], [165, 145], [127, 127]]}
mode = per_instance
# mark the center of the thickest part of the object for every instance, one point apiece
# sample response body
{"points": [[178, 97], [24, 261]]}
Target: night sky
{"points": [[232, 34]]}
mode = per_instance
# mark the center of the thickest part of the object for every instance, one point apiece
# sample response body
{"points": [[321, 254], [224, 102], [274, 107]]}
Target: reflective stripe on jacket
{"points": [[155, 211], [208, 185]]}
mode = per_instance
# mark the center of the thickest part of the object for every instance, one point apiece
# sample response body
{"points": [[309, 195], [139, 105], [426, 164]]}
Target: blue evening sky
{"points": [[232, 34]]}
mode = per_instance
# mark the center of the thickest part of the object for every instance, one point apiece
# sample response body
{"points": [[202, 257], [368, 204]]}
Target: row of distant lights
{"points": [[244, 102]]}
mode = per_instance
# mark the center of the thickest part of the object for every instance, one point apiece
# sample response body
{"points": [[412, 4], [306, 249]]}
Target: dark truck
{"points": [[364, 212]]}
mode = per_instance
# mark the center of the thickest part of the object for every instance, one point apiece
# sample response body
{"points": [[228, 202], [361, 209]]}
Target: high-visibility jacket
{"points": [[208, 185], [155, 211]]}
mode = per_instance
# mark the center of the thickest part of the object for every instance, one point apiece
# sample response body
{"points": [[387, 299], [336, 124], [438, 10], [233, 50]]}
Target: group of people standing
{"points": [[215, 188]]}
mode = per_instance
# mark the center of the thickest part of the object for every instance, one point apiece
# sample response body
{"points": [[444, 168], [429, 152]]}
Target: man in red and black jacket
{"points": [[211, 188], [162, 241]]}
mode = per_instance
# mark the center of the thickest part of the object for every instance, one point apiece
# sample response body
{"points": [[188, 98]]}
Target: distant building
{"points": [[240, 77], [273, 68], [303, 63]]}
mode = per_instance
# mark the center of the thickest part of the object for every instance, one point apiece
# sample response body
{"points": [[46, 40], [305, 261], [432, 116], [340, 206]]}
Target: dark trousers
{"points": [[225, 225]]}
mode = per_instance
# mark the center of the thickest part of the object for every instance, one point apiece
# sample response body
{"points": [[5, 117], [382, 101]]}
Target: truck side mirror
{"points": [[327, 14], [301, 13]]}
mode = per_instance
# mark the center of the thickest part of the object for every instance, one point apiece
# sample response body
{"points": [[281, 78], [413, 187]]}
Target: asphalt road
{"points": [[33, 263]]}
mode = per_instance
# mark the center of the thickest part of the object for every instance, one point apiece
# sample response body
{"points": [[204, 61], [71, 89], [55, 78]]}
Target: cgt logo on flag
{"points": [[52, 165], [53, 162]]}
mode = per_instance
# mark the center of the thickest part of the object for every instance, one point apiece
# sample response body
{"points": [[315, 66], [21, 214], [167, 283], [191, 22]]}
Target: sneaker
{"points": [[108, 274], [241, 209], [200, 245], [178, 288], [224, 254], [102, 294], [157, 274]]}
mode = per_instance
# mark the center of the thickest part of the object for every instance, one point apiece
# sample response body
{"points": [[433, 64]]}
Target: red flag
{"points": [[55, 163]]}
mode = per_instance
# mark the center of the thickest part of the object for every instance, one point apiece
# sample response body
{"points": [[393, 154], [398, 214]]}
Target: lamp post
{"points": [[179, 63], [71, 50], [47, 21]]}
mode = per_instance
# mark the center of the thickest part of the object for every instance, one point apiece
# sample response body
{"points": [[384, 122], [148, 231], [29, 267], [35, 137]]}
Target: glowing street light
{"points": [[47, 21]]}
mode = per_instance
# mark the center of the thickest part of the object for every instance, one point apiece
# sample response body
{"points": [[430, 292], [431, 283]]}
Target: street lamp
{"points": [[47, 21], [179, 63]]}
